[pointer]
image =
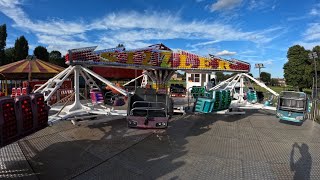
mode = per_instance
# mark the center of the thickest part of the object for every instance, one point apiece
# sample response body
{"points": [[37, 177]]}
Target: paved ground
{"points": [[251, 146]]}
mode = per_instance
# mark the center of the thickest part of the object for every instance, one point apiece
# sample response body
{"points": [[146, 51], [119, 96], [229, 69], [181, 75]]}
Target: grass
{"points": [[278, 89], [177, 82]]}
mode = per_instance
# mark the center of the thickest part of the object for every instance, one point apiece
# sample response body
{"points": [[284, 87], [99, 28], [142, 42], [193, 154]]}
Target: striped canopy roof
{"points": [[35, 66]]}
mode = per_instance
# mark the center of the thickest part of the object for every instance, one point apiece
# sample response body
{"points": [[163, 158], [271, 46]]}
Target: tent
{"points": [[27, 69]]}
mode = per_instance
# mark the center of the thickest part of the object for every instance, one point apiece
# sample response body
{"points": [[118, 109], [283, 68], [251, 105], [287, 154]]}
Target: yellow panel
{"points": [[34, 67], [21, 67], [221, 64], [110, 56], [146, 58], [204, 62], [166, 57], [130, 58], [227, 65], [47, 68], [183, 61]]}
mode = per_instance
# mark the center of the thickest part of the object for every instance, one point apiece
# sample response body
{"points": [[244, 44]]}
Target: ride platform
{"points": [[205, 146]]}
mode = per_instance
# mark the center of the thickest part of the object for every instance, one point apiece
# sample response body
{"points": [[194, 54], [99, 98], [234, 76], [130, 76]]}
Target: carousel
{"points": [[26, 73]]}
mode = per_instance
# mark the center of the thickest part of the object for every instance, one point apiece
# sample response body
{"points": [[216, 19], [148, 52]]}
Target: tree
{"points": [[9, 53], [41, 53], [3, 38], [56, 58], [298, 70], [55, 55], [120, 45], [265, 77], [274, 82], [219, 77], [21, 48]]}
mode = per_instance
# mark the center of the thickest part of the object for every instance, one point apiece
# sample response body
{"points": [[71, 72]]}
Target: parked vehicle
{"points": [[177, 90]]}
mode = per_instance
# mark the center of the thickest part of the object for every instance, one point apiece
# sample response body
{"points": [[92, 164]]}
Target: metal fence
{"points": [[315, 111]]}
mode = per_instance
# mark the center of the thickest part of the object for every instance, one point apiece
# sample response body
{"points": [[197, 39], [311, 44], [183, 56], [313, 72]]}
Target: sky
{"points": [[255, 31]]}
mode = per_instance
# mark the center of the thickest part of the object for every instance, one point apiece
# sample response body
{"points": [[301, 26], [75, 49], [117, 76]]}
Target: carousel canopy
{"points": [[24, 69]]}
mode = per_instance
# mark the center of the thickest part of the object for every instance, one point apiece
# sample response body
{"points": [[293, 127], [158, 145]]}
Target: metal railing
{"points": [[314, 114]]}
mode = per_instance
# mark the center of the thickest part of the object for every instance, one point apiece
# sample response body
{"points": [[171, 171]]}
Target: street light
{"points": [[259, 66], [314, 56]]}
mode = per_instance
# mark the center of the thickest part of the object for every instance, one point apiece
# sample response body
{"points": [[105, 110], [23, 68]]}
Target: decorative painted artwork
{"points": [[155, 56]]}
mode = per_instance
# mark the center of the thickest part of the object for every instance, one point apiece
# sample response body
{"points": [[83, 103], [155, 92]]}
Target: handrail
{"points": [[144, 109], [149, 103]]}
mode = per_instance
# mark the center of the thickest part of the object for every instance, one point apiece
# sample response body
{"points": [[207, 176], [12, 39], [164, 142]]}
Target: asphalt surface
{"points": [[203, 146]]}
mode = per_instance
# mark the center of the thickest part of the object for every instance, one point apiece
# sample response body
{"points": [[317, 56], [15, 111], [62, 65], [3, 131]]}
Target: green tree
{"points": [[274, 82], [219, 77], [41, 53], [265, 77], [3, 38], [55, 57], [298, 70], [21, 48], [9, 52], [120, 45]]}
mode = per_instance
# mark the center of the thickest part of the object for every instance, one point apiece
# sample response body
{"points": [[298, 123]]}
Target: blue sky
{"points": [[256, 31]]}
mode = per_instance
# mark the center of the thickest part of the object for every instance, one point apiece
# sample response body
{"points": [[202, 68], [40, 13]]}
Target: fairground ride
{"points": [[158, 62]]}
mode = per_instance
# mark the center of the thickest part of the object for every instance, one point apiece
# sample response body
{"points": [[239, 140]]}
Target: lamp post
{"points": [[314, 56], [259, 66]]}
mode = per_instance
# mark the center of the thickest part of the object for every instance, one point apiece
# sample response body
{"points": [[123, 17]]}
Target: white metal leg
{"points": [[134, 79], [120, 90], [89, 81]]}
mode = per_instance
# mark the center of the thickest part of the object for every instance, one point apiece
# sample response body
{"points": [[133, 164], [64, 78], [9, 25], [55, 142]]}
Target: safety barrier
{"points": [[314, 111], [21, 116]]}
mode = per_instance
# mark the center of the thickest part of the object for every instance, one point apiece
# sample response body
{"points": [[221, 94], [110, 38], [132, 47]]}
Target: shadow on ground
{"points": [[201, 146]]}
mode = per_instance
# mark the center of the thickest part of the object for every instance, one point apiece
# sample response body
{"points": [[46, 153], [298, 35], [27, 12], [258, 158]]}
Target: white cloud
{"points": [[312, 13], [264, 62], [311, 36], [221, 5], [315, 10], [225, 53], [62, 43], [13, 10], [298, 18], [313, 32], [205, 43], [254, 4], [134, 29], [261, 4]]}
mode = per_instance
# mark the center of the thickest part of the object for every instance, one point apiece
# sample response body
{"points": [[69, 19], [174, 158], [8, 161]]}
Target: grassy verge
{"points": [[279, 89], [177, 82]]}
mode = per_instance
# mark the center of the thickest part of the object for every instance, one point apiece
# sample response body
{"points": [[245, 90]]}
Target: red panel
{"points": [[116, 73]]}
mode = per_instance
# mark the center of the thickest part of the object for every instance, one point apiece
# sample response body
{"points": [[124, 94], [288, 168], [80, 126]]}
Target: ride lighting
{"points": [[299, 118], [161, 124], [133, 123], [279, 115], [40, 110], [8, 121], [25, 116]]}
